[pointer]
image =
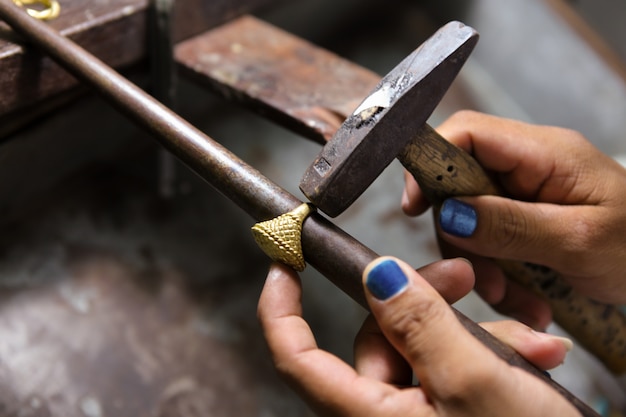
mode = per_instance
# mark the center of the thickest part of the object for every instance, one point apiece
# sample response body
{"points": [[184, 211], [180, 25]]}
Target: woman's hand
{"points": [[417, 333], [566, 211]]}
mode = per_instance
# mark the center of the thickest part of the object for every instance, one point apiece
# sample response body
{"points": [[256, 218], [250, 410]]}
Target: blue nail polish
{"points": [[386, 280], [457, 218]]}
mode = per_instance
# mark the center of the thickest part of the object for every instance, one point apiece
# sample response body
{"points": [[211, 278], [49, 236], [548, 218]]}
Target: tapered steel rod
{"points": [[330, 250]]}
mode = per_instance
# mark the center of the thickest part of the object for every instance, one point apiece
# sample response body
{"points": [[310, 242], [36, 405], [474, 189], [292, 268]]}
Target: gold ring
{"points": [[51, 8], [280, 238]]}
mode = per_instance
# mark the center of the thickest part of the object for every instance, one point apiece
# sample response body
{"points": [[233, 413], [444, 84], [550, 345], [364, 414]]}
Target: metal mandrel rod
{"points": [[330, 250]]}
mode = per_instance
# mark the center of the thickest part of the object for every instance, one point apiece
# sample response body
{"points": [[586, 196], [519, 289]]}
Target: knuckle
{"points": [[509, 228], [289, 368], [570, 135], [585, 239], [464, 115], [405, 321], [411, 325], [583, 232], [561, 135], [284, 369], [467, 385]]}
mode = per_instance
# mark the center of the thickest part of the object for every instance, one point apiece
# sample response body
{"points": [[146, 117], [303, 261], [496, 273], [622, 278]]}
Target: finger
{"points": [[528, 158], [280, 314], [504, 295], [458, 374], [376, 358], [413, 202], [546, 234], [490, 282], [453, 279], [504, 146], [544, 350], [421, 326], [328, 384], [524, 305], [540, 163]]}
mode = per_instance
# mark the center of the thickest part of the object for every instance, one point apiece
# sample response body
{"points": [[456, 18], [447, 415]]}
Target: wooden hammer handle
{"points": [[444, 170]]}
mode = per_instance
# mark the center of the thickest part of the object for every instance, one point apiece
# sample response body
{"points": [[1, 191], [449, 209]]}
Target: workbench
{"points": [[128, 287]]}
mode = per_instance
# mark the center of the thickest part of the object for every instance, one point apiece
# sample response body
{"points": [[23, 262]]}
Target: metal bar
{"points": [[333, 252], [163, 82]]}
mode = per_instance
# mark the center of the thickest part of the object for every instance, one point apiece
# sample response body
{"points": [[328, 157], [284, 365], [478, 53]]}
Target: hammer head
{"points": [[386, 120]]}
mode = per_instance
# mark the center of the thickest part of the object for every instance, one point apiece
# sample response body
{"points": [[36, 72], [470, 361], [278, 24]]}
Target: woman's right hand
{"points": [[566, 211]]}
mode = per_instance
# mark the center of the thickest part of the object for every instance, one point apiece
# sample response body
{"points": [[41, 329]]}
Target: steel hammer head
{"points": [[386, 120]]}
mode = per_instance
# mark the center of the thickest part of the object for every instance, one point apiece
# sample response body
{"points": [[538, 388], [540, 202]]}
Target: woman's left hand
{"points": [[412, 331]]}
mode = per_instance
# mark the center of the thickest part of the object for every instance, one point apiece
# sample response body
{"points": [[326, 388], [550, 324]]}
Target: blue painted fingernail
{"points": [[386, 280], [457, 218]]}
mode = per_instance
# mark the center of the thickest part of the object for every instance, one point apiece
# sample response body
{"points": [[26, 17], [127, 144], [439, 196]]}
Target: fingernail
{"points": [[386, 279], [405, 199], [457, 218], [569, 345]]}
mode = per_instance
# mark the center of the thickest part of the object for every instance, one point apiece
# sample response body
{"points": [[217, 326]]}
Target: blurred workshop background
{"points": [[128, 286]]}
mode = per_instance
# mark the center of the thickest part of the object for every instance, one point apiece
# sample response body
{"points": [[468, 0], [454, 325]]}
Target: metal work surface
{"points": [[114, 30], [248, 60]]}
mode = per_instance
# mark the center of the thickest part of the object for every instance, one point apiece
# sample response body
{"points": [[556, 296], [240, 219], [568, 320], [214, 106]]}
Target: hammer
{"points": [[391, 123]]}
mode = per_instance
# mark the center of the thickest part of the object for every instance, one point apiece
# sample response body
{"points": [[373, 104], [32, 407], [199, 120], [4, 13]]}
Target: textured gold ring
{"points": [[280, 238]]}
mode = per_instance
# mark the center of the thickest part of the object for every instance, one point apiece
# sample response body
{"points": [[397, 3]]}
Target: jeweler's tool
{"points": [[392, 116], [333, 252]]}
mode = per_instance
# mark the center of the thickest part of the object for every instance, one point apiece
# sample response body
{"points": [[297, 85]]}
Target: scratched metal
{"points": [[253, 62]]}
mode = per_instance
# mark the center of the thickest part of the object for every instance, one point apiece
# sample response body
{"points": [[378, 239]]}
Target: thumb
{"points": [[457, 373], [503, 228], [423, 328]]}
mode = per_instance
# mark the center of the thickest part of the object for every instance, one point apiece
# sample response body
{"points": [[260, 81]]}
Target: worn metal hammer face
{"points": [[381, 127]]}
